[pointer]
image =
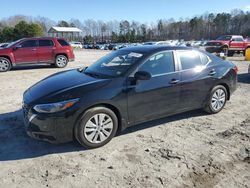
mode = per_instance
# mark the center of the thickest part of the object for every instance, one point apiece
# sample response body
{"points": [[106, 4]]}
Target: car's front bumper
{"points": [[214, 49], [47, 128]]}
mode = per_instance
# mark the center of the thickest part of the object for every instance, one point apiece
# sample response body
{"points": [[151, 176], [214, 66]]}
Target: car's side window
{"points": [[190, 59], [160, 63], [237, 39], [29, 44], [46, 43], [63, 42]]}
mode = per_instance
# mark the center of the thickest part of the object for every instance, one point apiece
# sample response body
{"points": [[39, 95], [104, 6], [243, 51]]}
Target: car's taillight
{"points": [[236, 69]]}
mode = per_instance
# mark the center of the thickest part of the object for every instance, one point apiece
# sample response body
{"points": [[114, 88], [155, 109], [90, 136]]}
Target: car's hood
{"points": [[59, 83], [218, 41], [4, 50]]}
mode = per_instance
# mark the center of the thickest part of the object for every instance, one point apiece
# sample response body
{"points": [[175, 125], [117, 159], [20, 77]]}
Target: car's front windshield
{"points": [[114, 64], [227, 37], [12, 43]]}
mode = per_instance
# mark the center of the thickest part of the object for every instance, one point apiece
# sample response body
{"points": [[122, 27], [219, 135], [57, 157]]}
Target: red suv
{"points": [[29, 51]]}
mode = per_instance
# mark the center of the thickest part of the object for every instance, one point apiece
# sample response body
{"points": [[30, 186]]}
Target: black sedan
{"points": [[125, 88]]}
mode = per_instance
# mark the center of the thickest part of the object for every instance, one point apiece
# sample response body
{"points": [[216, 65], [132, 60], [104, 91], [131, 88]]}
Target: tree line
{"points": [[20, 30], [206, 26]]}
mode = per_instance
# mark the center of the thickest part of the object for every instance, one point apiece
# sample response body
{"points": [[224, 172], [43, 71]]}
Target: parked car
{"points": [[88, 46], [76, 44], [100, 46], [183, 44], [112, 47], [166, 43], [149, 43], [228, 44], [32, 51], [124, 88]]}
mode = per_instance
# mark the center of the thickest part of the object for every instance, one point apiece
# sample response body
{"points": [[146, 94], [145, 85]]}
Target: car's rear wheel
{"points": [[61, 61], [217, 99], [96, 127], [5, 64]]}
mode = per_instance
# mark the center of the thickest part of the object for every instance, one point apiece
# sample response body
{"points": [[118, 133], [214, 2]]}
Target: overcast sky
{"points": [[139, 10]]}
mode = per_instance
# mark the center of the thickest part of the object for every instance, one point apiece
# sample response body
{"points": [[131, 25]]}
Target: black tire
{"points": [[209, 106], [230, 53], [81, 135], [5, 64], [225, 50], [61, 61]]}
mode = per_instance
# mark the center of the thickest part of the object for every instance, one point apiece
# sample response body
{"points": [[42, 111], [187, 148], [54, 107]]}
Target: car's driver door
{"points": [[159, 96], [26, 52]]}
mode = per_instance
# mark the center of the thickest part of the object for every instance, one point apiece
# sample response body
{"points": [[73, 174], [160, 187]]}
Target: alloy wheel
{"points": [[4, 65], [98, 128], [61, 61], [218, 99]]}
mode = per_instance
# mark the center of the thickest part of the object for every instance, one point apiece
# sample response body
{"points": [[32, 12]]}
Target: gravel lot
{"points": [[188, 150]]}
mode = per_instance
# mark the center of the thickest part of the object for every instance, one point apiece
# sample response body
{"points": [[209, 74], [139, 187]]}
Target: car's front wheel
{"points": [[61, 61], [217, 99], [96, 127], [230, 53], [5, 64]]}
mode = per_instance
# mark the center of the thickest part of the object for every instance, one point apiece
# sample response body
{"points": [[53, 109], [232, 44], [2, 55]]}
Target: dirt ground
{"points": [[188, 150]]}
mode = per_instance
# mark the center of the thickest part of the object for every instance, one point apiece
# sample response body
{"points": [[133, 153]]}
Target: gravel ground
{"points": [[192, 149]]}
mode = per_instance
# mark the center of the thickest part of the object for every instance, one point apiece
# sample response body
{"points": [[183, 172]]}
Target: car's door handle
{"points": [[174, 81], [212, 72]]}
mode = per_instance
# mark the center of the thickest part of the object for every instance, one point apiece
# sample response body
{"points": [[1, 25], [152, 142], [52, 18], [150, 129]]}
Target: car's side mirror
{"points": [[17, 47], [142, 75]]}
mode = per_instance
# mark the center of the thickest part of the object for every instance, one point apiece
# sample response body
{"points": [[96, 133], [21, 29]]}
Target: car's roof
{"points": [[154, 48], [37, 38]]}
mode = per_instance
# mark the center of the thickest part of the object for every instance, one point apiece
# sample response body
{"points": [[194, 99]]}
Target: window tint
{"points": [[204, 59], [28, 44], [191, 59], [63, 42], [159, 64], [238, 39], [227, 37], [46, 43]]}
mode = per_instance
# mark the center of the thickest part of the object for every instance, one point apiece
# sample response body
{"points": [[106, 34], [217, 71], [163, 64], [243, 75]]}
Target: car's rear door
{"points": [[159, 96], [45, 50], [26, 52], [197, 76]]}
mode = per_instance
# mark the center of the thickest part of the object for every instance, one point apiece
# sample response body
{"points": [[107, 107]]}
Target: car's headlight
{"points": [[55, 107]]}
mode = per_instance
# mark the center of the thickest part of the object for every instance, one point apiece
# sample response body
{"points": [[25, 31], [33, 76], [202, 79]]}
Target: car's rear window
{"points": [[191, 59], [63, 42]]}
